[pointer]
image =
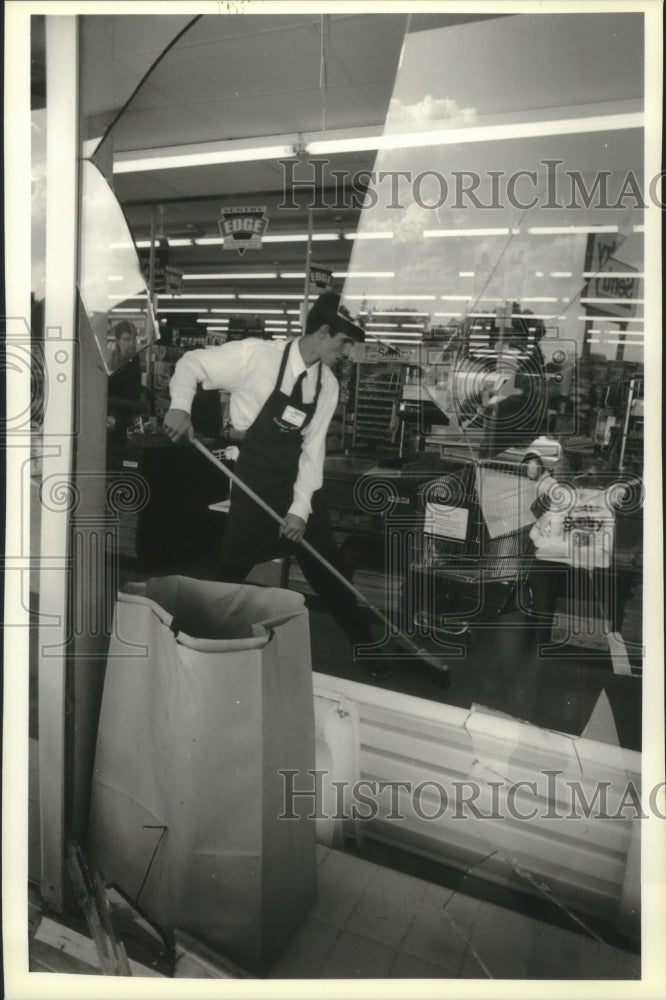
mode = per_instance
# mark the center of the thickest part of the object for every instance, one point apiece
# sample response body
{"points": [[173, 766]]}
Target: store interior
{"points": [[468, 184]]}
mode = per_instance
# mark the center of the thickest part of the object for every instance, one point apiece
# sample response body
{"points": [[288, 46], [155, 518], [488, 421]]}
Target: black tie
{"points": [[297, 391]]}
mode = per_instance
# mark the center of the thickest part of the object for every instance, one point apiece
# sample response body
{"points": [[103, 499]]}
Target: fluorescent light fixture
{"points": [[395, 312], [454, 298], [617, 301], [620, 319], [292, 274], [202, 154], [539, 298], [276, 147], [403, 338], [568, 230], [363, 274], [401, 298], [614, 274], [299, 237], [213, 319], [382, 324], [180, 243], [370, 236], [240, 276], [448, 314], [207, 241], [271, 295], [396, 333], [169, 309], [561, 274], [412, 326], [231, 309], [433, 233], [197, 295], [465, 274]]}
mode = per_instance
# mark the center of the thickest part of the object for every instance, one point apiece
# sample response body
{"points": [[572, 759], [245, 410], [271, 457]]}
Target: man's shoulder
{"points": [[328, 379], [255, 347]]}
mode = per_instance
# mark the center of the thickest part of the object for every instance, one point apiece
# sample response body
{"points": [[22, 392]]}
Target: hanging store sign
{"points": [[165, 279], [320, 276], [616, 289], [613, 290], [173, 280], [243, 228]]}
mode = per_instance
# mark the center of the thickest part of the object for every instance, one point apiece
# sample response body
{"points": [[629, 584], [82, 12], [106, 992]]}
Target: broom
{"points": [[403, 639]]}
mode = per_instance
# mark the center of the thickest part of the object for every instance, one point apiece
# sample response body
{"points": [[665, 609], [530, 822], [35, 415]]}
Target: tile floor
{"points": [[370, 922]]}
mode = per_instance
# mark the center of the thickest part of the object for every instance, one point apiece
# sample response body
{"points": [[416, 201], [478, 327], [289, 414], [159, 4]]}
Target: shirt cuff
{"points": [[182, 401], [300, 509]]}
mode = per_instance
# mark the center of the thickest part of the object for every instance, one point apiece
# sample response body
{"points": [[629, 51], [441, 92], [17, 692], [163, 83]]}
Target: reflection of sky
{"points": [[530, 61], [110, 277], [110, 270], [38, 202], [522, 64]]}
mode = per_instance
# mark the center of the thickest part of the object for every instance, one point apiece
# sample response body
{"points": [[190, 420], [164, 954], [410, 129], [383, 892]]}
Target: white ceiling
{"points": [[238, 76]]}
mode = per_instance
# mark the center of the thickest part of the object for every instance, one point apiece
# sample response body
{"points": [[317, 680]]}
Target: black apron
{"points": [[268, 463]]}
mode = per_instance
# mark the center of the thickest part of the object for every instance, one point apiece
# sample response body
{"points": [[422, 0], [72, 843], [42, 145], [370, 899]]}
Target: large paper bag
{"points": [[207, 697]]}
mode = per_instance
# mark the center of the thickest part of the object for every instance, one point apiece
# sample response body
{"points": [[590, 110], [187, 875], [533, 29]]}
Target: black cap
{"points": [[325, 311]]}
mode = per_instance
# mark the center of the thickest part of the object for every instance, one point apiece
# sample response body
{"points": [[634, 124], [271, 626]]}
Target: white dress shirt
{"points": [[248, 370]]}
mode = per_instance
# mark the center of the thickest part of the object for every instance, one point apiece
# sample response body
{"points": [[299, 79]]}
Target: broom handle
{"points": [[318, 556]]}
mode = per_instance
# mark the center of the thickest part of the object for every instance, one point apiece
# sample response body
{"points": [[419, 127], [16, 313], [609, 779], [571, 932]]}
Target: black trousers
{"points": [[251, 536]]}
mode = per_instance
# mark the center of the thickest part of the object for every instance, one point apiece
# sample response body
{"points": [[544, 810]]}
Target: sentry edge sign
{"points": [[243, 228]]}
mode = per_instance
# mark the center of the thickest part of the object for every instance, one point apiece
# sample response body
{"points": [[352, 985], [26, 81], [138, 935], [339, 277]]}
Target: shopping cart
{"points": [[471, 559]]}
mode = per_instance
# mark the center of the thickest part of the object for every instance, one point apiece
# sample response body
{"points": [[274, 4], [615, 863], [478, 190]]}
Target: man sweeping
{"points": [[282, 398]]}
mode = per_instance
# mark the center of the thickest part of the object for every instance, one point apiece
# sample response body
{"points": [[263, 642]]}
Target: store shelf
{"points": [[378, 391]]}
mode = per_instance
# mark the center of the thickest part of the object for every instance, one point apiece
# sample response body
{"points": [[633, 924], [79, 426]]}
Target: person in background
{"points": [[282, 398], [126, 398], [516, 411]]}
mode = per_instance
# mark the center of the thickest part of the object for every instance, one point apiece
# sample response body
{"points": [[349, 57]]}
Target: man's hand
{"points": [[178, 425], [294, 528]]}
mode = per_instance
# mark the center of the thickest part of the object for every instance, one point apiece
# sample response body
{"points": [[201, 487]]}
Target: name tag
{"points": [[293, 416]]}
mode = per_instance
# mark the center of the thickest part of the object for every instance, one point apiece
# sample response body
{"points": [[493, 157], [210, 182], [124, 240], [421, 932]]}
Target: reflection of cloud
{"points": [[409, 225], [38, 228], [430, 109], [38, 279]]}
